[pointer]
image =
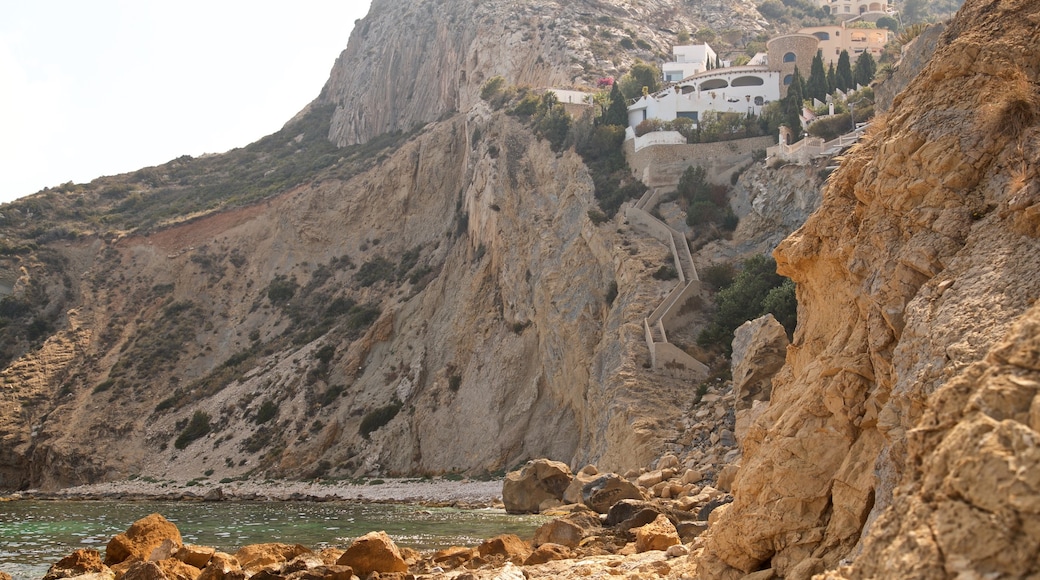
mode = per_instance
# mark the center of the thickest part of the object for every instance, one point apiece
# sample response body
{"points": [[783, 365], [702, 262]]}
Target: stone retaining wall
{"points": [[663, 165]]}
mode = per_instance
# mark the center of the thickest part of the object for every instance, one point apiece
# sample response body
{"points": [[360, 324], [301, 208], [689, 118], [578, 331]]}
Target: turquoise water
{"points": [[34, 535]]}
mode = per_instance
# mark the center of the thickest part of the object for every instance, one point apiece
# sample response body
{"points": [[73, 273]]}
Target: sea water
{"points": [[36, 534]]}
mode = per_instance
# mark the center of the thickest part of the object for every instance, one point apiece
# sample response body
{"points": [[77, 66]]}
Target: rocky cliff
{"points": [[901, 432], [434, 300]]}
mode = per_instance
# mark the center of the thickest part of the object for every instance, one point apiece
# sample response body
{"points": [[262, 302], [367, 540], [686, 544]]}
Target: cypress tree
{"points": [[831, 80], [816, 88], [791, 106], [865, 69], [617, 112], [843, 74]]}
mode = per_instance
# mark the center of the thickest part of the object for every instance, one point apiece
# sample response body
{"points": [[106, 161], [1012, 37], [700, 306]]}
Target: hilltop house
{"points": [[747, 88], [732, 89]]}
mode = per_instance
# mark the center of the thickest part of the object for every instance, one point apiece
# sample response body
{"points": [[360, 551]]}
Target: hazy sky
{"points": [[99, 87]]}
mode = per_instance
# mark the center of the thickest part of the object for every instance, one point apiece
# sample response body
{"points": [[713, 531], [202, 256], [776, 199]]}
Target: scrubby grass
{"points": [[197, 428]]}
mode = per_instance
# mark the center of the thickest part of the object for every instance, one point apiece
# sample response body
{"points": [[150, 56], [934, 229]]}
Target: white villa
{"points": [[737, 89], [746, 89], [731, 89], [689, 60]]}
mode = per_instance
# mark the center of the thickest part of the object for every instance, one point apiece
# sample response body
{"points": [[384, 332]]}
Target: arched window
{"points": [[759, 101], [747, 81], [822, 35], [713, 84], [790, 57], [788, 79]]}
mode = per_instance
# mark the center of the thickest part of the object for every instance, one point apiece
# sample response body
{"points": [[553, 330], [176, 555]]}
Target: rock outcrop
{"points": [[925, 252]]}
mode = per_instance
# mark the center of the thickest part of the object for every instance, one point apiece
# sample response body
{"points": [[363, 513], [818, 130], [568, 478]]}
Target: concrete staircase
{"points": [[665, 356]]}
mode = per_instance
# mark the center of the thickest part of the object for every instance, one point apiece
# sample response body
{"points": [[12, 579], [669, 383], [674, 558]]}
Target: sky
{"points": [[101, 87]]}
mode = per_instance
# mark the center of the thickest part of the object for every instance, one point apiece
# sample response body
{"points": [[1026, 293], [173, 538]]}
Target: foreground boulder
{"points": [[373, 552], [540, 480], [221, 566], [170, 569], [141, 539], [256, 557], [606, 490], [507, 546], [548, 553], [79, 563], [659, 534]]}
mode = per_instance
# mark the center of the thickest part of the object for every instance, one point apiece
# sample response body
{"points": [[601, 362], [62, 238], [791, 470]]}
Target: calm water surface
{"points": [[34, 535]]}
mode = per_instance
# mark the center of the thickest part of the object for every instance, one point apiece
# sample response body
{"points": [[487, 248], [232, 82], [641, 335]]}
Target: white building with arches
{"points": [[737, 89]]}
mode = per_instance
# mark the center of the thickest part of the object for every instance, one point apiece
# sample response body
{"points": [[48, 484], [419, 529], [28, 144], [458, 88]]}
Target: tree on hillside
{"points": [[617, 112], [831, 79], [816, 88], [791, 105], [641, 75], [755, 291], [865, 69], [888, 22], [843, 74]]}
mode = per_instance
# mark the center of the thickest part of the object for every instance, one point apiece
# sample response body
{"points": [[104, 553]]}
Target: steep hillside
{"points": [[902, 429]]}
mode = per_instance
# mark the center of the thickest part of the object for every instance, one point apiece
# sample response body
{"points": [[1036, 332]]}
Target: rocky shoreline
{"points": [[643, 524], [463, 493]]}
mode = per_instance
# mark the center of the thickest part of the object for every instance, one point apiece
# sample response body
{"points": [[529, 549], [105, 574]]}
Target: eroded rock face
{"points": [[923, 255], [969, 503]]}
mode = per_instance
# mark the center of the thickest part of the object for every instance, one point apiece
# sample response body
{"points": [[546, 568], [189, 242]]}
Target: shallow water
{"points": [[35, 534]]}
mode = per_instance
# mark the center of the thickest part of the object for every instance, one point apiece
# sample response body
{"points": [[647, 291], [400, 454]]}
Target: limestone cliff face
{"points": [[909, 393], [411, 62], [496, 338]]}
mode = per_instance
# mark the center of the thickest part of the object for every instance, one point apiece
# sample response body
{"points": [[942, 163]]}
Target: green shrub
{"points": [[492, 87], [281, 289], [377, 418], [197, 428], [375, 270], [717, 276], [331, 394], [268, 410], [666, 273], [325, 353], [750, 295]]}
